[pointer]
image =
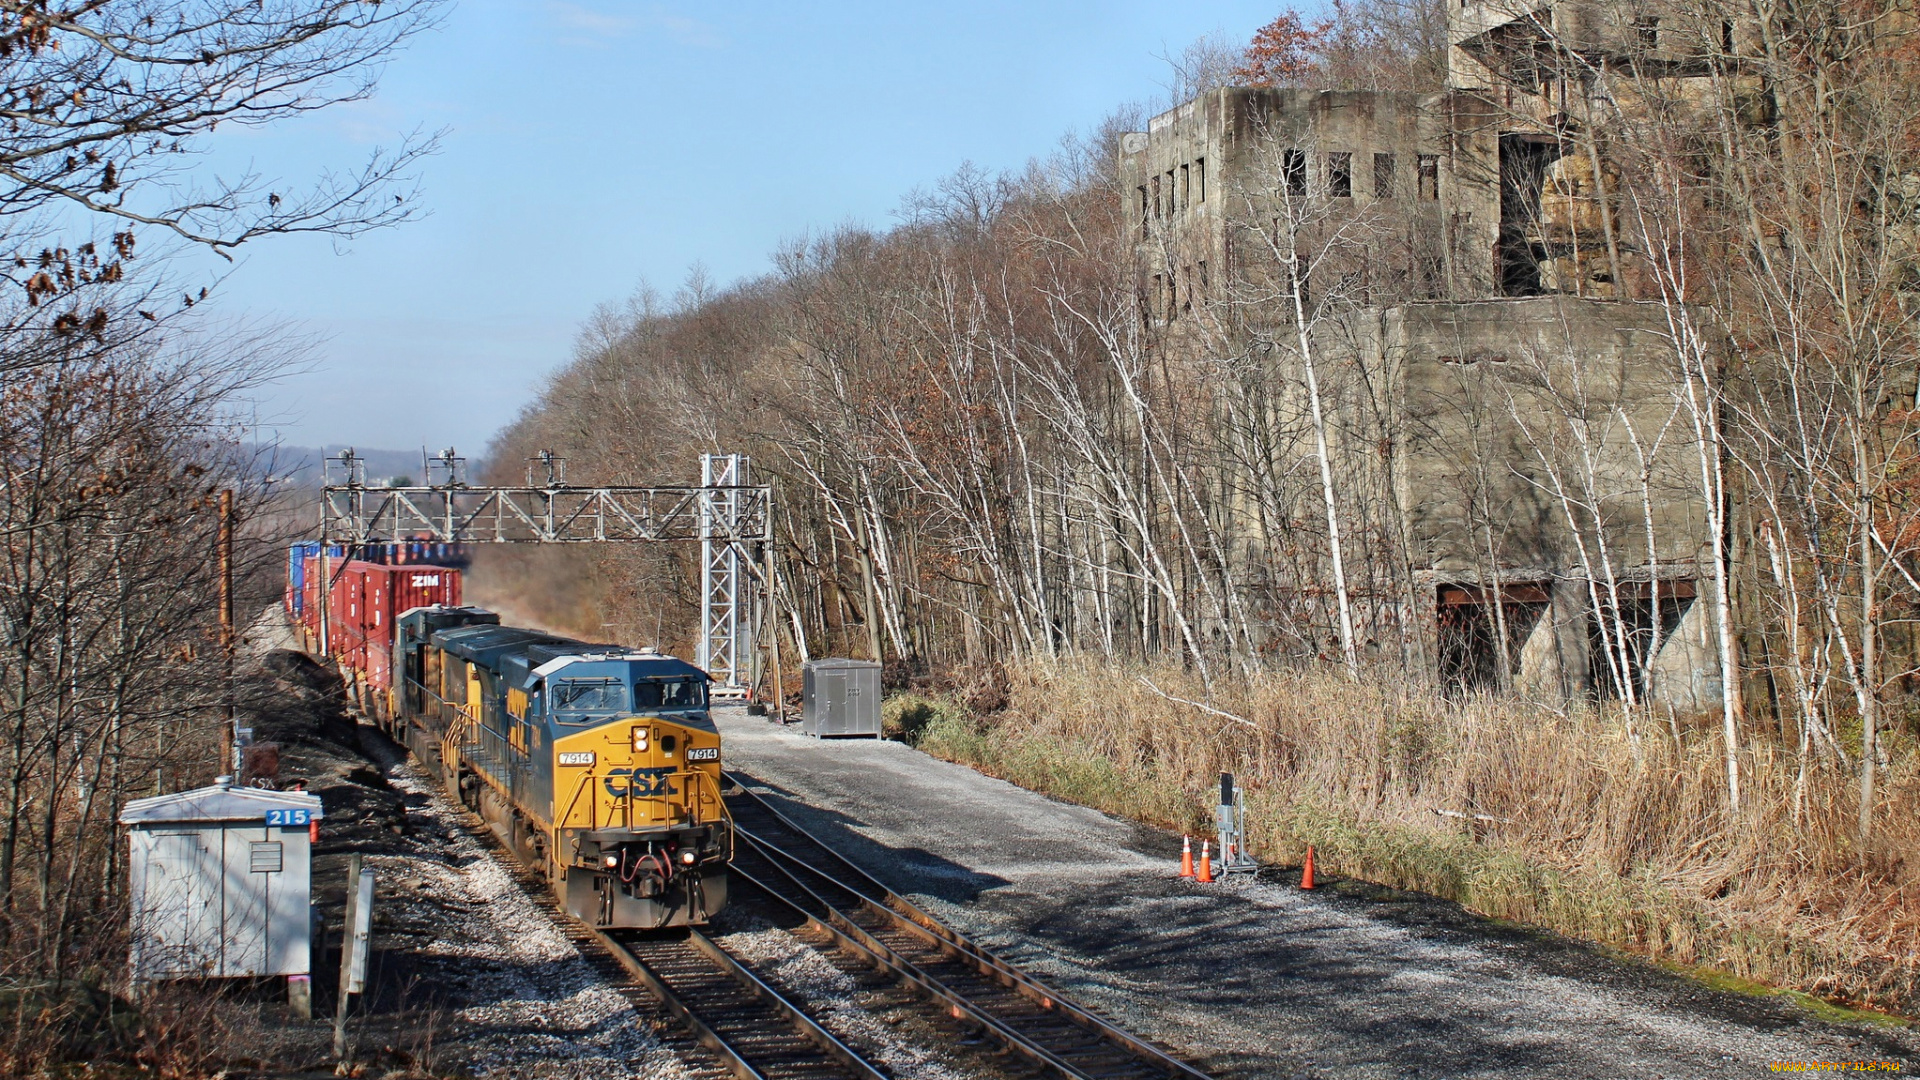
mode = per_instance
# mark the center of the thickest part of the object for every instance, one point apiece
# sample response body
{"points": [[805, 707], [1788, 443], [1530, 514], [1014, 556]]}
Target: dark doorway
{"points": [[1522, 247], [1636, 610], [1469, 628]]}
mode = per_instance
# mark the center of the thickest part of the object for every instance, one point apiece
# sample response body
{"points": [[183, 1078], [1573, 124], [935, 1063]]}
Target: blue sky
{"points": [[591, 146]]}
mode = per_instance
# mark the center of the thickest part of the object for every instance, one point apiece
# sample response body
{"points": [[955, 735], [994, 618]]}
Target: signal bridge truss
{"points": [[729, 517], [533, 515]]}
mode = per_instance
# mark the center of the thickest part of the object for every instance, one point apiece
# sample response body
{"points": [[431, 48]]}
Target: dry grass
{"points": [[1576, 821]]}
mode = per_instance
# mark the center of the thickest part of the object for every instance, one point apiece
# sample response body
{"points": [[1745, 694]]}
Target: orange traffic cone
{"points": [[1306, 872], [1206, 862], [1186, 856]]}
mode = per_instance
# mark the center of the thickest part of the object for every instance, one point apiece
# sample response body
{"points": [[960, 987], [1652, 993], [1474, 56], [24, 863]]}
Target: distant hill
{"points": [[300, 465]]}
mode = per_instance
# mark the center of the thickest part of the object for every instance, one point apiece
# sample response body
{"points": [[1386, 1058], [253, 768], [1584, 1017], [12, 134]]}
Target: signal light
{"points": [[640, 737], [687, 856], [612, 861]]}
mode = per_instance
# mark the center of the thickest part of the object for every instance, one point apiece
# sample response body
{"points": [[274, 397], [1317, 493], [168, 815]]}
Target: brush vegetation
{"points": [[1577, 821]]}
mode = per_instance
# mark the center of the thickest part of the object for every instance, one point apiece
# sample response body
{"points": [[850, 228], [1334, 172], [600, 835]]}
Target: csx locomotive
{"points": [[597, 764]]}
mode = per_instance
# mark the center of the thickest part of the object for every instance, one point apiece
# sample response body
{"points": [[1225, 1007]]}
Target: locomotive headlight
{"points": [[612, 861], [640, 737], [687, 856]]}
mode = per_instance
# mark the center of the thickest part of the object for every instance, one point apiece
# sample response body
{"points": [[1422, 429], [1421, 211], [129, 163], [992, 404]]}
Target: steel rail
{"points": [[908, 917], [741, 1061], [851, 936], [1034, 1030]]}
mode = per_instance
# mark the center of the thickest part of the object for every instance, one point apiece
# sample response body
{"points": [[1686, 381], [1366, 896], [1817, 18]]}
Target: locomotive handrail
{"points": [[593, 820], [666, 800]]}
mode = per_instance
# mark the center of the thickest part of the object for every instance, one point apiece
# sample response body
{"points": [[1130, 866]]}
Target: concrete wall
{"points": [[1508, 403]]}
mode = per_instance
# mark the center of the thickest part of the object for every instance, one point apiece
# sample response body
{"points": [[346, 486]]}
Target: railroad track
{"points": [[755, 1031], [731, 1023], [790, 866]]}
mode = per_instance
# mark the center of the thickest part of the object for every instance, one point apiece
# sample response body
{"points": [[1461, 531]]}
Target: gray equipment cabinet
{"points": [[840, 697], [221, 883]]}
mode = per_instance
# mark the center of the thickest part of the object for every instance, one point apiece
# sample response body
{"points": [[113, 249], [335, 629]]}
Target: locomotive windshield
{"points": [[575, 700], [670, 694]]}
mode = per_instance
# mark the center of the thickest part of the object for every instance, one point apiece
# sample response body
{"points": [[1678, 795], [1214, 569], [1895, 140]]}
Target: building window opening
{"points": [[1647, 30], [1143, 212], [1188, 305], [1186, 185], [1430, 177], [1383, 176], [1469, 634], [1522, 245], [1200, 179], [1206, 286], [1156, 197], [1726, 37], [1293, 167], [1172, 195], [1173, 295], [1340, 175], [1432, 276]]}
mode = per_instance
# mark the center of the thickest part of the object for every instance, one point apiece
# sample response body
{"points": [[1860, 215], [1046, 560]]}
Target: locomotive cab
{"points": [[640, 831]]}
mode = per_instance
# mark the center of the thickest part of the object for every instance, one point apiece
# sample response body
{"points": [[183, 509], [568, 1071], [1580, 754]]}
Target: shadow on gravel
{"points": [[1426, 1014], [902, 869]]}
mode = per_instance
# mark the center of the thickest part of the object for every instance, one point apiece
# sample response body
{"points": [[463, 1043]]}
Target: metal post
{"points": [[356, 932], [322, 595]]}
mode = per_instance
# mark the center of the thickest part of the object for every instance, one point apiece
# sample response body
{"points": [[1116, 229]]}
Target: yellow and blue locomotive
{"points": [[597, 764]]}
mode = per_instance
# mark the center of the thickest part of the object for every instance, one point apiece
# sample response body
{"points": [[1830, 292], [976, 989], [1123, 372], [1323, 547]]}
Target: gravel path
{"points": [[1255, 978]]}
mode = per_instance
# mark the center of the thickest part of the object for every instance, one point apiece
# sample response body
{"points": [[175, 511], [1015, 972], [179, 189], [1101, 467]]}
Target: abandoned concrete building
{"points": [[1447, 261]]}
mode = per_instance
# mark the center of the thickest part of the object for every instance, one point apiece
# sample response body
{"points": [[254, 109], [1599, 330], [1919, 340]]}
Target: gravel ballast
{"points": [[521, 1000], [1254, 977]]}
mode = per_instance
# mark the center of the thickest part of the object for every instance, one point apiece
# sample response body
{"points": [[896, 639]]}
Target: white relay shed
{"points": [[840, 697], [221, 882]]}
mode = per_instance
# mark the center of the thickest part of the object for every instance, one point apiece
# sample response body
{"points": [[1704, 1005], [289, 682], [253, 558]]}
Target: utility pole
{"points": [[228, 749]]}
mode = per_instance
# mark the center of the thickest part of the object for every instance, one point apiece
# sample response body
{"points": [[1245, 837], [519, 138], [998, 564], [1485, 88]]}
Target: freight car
{"points": [[598, 765], [303, 558], [364, 600]]}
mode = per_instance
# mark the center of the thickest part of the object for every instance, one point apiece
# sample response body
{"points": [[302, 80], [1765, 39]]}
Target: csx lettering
{"points": [[642, 783]]}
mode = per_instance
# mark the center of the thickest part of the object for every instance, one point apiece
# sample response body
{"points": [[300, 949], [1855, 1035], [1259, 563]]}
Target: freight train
{"points": [[598, 765]]}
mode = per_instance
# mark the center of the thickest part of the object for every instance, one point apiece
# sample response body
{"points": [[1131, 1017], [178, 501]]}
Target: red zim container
{"points": [[366, 599], [413, 585]]}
